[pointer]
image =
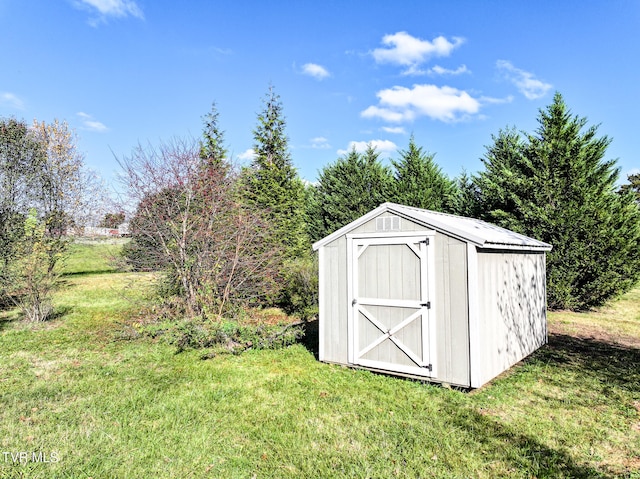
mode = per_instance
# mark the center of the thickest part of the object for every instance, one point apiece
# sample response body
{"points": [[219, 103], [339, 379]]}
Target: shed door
{"points": [[390, 304]]}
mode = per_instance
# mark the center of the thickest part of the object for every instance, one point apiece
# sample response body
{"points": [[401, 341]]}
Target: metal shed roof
{"points": [[480, 233]]}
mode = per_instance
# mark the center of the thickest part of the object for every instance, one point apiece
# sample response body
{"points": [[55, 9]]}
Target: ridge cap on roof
{"points": [[524, 239], [463, 230]]}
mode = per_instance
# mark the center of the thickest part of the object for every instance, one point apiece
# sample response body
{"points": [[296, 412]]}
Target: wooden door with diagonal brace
{"points": [[390, 304]]}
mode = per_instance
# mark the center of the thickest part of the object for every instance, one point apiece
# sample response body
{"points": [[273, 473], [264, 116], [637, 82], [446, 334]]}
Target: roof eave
{"points": [[354, 224], [518, 247]]}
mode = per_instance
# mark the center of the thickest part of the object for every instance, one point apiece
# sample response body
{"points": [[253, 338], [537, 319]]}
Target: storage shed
{"points": [[439, 297]]}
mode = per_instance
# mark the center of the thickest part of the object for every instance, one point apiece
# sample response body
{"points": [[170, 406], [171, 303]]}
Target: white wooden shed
{"points": [[439, 297]]}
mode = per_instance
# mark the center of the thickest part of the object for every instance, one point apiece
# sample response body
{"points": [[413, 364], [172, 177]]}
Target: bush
{"points": [[32, 275], [229, 336], [190, 225], [300, 287]]}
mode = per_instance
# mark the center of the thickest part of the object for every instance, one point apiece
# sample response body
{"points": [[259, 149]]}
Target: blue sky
{"points": [[123, 72]]}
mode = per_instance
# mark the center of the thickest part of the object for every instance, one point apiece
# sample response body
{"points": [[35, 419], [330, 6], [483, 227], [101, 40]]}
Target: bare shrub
{"points": [[189, 223]]}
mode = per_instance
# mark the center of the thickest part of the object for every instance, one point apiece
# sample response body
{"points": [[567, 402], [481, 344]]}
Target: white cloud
{"points": [[111, 8], [438, 70], [88, 123], [381, 146], [316, 71], [320, 143], [11, 100], [249, 154], [398, 130], [406, 50], [401, 104], [496, 101], [526, 82], [387, 114]]}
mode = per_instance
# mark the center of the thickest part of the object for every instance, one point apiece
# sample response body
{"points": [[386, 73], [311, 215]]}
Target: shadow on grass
{"points": [[5, 322], [521, 452], [89, 273], [7, 306], [311, 338], [11, 317], [612, 364], [596, 365]]}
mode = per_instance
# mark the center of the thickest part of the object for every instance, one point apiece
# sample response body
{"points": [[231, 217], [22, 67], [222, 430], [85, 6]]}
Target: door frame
{"points": [[427, 271]]}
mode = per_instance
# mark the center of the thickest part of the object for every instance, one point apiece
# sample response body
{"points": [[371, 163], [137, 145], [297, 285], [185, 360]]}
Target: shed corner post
{"points": [[430, 274], [351, 340], [475, 355], [322, 309]]}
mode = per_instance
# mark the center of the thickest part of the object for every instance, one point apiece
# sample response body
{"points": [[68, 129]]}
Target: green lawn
{"points": [[98, 405]]}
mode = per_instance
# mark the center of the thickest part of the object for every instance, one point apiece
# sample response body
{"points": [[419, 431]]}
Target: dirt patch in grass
{"points": [[594, 333]]}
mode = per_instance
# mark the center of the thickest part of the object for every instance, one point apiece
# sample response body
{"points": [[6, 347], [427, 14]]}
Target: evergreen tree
{"points": [[419, 182], [633, 186], [212, 148], [313, 213], [352, 186], [554, 185], [465, 197], [272, 183]]}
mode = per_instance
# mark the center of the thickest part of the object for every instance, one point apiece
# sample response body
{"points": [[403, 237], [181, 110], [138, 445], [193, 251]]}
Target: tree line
{"points": [[553, 184], [227, 237]]}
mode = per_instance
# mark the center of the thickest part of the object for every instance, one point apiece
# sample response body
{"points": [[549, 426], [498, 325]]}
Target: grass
{"points": [[620, 319], [101, 406], [92, 257]]}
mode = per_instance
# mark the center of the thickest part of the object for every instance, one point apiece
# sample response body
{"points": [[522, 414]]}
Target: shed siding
{"points": [[488, 304], [512, 308], [334, 302], [451, 310], [334, 290], [450, 304]]}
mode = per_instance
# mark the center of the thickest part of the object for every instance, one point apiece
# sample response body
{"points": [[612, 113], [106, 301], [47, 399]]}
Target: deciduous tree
{"points": [[21, 158], [112, 220], [43, 191], [33, 280], [214, 250]]}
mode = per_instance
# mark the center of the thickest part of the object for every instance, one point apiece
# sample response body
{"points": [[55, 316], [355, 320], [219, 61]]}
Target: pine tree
{"points": [[272, 183], [313, 213], [419, 182], [554, 185], [212, 148], [633, 186], [352, 186], [465, 196]]}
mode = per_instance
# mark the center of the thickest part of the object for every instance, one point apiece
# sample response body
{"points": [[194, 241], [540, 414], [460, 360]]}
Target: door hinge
{"points": [[425, 241], [429, 367], [426, 305]]}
